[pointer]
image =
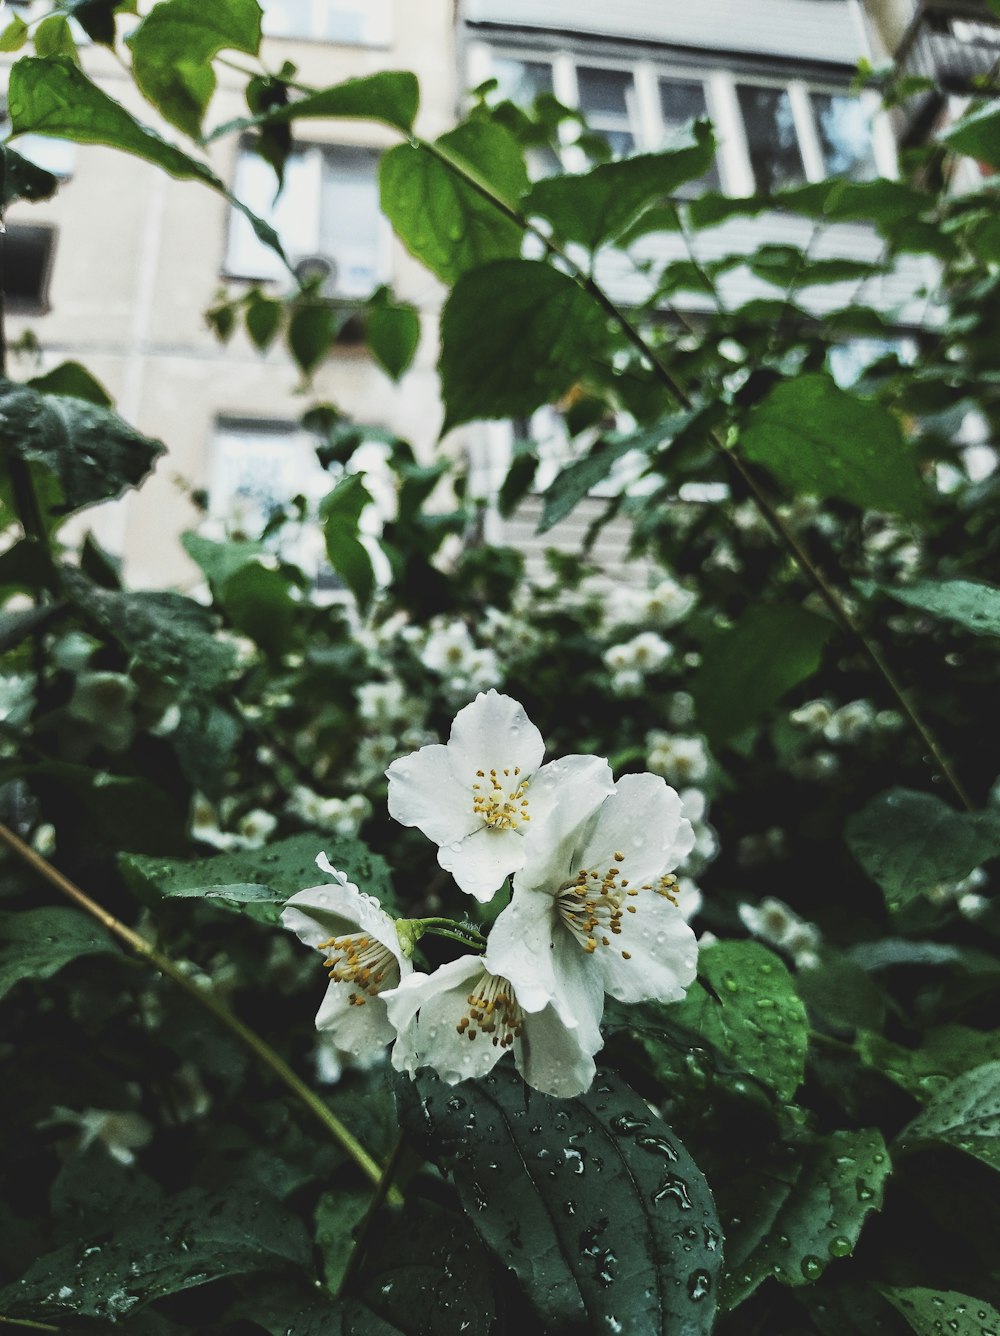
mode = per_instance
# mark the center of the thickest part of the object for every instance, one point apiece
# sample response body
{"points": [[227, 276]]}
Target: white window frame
{"points": [[376, 17], [246, 258]]}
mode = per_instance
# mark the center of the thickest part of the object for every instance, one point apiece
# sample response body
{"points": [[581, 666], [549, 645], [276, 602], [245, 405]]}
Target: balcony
{"points": [[954, 43]]}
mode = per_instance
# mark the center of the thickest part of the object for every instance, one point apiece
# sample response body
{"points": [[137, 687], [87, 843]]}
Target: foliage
{"points": [[809, 1140]]}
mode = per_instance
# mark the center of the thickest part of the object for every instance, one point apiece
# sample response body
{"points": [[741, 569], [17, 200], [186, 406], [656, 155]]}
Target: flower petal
{"points": [[426, 1010], [321, 912], [481, 861], [494, 732], [662, 954], [519, 948], [425, 791], [644, 818], [550, 1058], [359, 1030], [563, 797]]}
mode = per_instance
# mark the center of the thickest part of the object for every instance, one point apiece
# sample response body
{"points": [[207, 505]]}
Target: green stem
{"points": [[263, 1051], [26, 1322], [383, 1191], [827, 593], [445, 927]]}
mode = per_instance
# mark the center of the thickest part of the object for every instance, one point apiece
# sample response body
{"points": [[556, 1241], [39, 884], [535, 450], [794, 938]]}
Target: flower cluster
{"points": [[593, 908]]}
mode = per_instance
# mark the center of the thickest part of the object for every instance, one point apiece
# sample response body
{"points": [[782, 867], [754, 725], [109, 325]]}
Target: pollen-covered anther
{"points": [[362, 960], [502, 806], [591, 907], [494, 1010]]}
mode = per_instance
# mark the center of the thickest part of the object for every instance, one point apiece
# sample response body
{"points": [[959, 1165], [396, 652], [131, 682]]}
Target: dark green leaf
{"points": [[54, 38], [816, 438], [73, 380], [340, 512], [172, 635], [173, 48], [790, 267], [966, 1115], [54, 97], [932, 1312], [752, 1014], [337, 1216], [263, 318], [910, 843], [447, 223], [974, 606], [36, 943], [802, 1210], [978, 134], [21, 179], [284, 867], [220, 561], [575, 481], [390, 96], [259, 602], [192, 1239], [95, 17], [585, 1199], [393, 336], [595, 208], [746, 670], [311, 332], [944, 1053], [93, 453], [257, 902], [515, 334]]}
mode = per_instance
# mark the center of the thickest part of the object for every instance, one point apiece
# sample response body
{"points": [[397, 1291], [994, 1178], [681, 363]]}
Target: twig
{"points": [[147, 952]]}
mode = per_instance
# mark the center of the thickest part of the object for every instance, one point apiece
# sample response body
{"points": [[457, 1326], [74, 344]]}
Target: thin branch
{"points": [[829, 595], [383, 1191], [147, 952]]}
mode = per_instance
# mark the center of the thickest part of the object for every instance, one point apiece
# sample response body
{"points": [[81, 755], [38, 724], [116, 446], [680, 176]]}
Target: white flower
{"points": [[482, 796], [778, 925], [384, 703], [461, 1019], [851, 722], [680, 760], [447, 649], [595, 910], [363, 955], [666, 604], [644, 653], [815, 715]]}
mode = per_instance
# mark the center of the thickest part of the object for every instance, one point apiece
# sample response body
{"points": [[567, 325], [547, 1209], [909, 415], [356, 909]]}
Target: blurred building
{"points": [[116, 269]]}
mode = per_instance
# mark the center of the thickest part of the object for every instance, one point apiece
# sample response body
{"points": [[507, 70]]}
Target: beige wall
{"points": [[138, 258]]}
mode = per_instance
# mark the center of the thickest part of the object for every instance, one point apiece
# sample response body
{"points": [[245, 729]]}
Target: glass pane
{"points": [[606, 100], [681, 102], [364, 22], [844, 136], [350, 226], [771, 139], [292, 215], [288, 18], [521, 81]]}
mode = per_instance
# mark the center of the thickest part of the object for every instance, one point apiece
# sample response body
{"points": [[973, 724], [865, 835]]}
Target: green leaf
{"points": [[910, 842], [596, 207], [74, 380], [172, 635], [585, 1199], [37, 943], [54, 97], [974, 606], [393, 335], [790, 267], [752, 1015], [192, 1239], [263, 319], [443, 220], [965, 1115], [337, 1216], [945, 1051], [257, 902], [802, 1210], [340, 512], [932, 1312], [92, 452], [311, 332], [173, 48], [284, 867], [219, 562], [747, 669], [21, 179], [259, 602], [14, 35], [96, 18], [515, 334], [978, 134], [389, 96], [569, 487], [54, 38], [816, 438]]}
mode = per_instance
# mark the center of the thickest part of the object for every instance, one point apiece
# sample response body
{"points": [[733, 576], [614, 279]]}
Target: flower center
{"points": [[363, 961], [593, 905], [493, 1010], [500, 799]]}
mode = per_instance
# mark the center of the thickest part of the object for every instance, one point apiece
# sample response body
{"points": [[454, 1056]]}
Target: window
{"points": [[772, 139], [607, 100], [681, 102], [521, 81], [844, 136], [352, 22], [26, 262], [327, 214]]}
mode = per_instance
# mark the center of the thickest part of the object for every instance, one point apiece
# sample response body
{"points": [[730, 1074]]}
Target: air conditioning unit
{"points": [[318, 272]]}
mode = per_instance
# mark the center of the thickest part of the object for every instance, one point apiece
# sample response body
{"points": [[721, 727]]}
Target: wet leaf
{"points": [[972, 605], [966, 1115], [593, 1201], [933, 1312], [37, 943]]}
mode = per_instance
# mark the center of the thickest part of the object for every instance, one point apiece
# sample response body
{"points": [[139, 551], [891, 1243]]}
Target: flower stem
{"points": [[26, 1322], [263, 1051], [383, 1191], [458, 932]]}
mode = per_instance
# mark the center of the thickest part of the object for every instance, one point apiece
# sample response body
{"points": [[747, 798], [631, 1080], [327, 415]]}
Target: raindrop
{"points": [[657, 1146], [812, 1267], [575, 1158], [672, 1186], [699, 1284], [711, 1239], [839, 1247], [625, 1125]]}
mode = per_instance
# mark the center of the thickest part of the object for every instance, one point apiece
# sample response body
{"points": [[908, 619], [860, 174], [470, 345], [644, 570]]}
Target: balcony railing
{"points": [[956, 45]]}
